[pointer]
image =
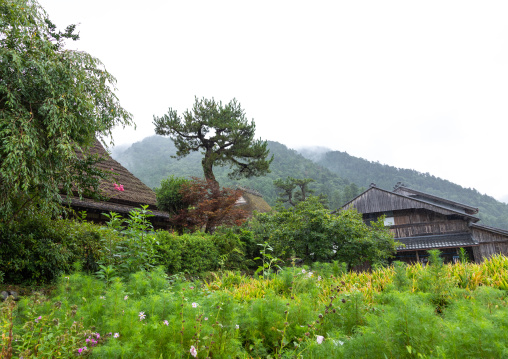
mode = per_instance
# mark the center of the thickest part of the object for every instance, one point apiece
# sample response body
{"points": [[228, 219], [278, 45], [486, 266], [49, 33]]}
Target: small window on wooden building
{"points": [[389, 220]]}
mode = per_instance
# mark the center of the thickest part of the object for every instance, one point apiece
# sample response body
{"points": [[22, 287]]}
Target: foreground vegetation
{"points": [[437, 311]]}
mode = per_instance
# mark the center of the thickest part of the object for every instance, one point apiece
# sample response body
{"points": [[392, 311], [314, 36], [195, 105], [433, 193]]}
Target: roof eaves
{"points": [[458, 204], [476, 219]]}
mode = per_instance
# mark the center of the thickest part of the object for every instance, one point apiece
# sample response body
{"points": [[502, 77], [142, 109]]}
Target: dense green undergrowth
{"points": [[396, 312], [38, 249]]}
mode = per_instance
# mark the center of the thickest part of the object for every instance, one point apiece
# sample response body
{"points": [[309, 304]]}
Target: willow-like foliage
{"points": [[53, 101]]}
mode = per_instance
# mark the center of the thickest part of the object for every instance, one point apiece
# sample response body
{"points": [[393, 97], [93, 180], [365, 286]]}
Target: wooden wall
{"points": [[490, 243], [422, 222]]}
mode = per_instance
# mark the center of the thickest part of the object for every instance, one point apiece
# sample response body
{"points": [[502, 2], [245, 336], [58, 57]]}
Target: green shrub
{"points": [[38, 249], [233, 245], [189, 253]]}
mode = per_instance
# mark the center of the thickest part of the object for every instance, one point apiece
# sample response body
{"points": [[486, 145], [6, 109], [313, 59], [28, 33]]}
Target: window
{"points": [[389, 220]]}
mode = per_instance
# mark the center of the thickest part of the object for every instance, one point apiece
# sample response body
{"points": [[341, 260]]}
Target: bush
{"points": [[38, 249], [188, 253]]}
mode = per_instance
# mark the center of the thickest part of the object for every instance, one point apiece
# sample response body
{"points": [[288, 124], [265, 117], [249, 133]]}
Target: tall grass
{"points": [[435, 311]]}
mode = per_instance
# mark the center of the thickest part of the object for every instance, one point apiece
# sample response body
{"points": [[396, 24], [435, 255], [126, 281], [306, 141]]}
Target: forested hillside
{"points": [[363, 173], [150, 160], [338, 175]]}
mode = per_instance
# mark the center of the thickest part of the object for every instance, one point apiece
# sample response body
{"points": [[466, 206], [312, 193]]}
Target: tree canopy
{"points": [[308, 231], [222, 132], [53, 101], [286, 189], [198, 203]]}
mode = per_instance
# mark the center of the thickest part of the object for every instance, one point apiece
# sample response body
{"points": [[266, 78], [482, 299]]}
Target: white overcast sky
{"points": [[421, 85]]}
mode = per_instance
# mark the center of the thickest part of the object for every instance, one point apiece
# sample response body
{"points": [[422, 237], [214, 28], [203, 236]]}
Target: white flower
{"points": [[206, 318], [319, 277], [193, 351], [194, 305], [303, 271], [320, 339], [126, 297], [237, 326], [116, 335], [103, 297], [142, 315]]}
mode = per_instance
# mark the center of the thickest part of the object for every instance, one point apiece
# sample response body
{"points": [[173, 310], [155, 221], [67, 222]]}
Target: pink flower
{"points": [[320, 339], [166, 323], [142, 315], [116, 335], [194, 305], [193, 351], [119, 187]]}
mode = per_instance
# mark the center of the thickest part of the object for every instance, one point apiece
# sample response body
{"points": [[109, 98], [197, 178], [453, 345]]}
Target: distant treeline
{"points": [[337, 175], [150, 160], [363, 172]]}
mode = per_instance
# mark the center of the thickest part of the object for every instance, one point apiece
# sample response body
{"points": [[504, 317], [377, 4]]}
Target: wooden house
{"points": [[420, 221], [134, 194]]}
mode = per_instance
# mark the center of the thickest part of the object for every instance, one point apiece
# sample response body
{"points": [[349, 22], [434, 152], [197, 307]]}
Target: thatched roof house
{"points": [[420, 221], [251, 201], [135, 193]]}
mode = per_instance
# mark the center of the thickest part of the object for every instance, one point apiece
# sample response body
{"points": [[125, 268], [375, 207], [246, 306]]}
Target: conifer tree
{"points": [[222, 133]]}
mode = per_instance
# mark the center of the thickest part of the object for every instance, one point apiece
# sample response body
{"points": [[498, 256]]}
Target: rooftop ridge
{"points": [[250, 190]]}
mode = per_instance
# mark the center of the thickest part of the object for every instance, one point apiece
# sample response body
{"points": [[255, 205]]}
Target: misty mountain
{"points": [[338, 175], [364, 172], [150, 160], [314, 153]]}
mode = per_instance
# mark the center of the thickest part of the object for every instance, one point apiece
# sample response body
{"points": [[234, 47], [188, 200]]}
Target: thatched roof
{"points": [[252, 201], [135, 193]]}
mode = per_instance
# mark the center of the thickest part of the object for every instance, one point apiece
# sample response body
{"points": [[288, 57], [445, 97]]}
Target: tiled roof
{"points": [[436, 241]]}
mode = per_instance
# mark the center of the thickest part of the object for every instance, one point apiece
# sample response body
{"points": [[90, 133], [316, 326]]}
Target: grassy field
{"points": [[437, 311]]}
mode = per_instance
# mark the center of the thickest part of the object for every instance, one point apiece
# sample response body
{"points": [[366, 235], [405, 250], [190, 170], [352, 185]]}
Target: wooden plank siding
{"points": [[490, 243], [424, 221], [376, 200], [438, 227]]}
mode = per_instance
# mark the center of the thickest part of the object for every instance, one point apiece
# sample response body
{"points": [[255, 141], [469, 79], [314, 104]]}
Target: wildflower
{"points": [[116, 335], [191, 287], [166, 323], [37, 320], [142, 315], [193, 351], [194, 305], [303, 271], [319, 277], [102, 297], [126, 297], [118, 187], [320, 339], [310, 274], [206, 318], [237, 326], [97, 335]]}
